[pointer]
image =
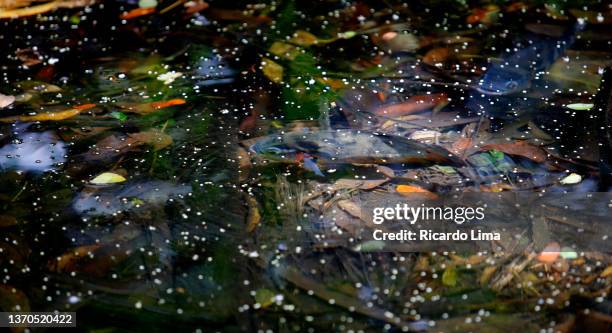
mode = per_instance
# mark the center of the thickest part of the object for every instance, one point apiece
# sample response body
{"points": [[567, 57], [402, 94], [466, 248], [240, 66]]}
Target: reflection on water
{"points": [[32, 151]]}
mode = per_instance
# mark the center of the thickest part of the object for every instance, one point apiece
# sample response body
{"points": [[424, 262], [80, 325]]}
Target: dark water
{"points": [[206, 231]]}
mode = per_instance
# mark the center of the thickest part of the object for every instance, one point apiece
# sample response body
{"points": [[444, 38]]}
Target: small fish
{"points": [[351, 146], [519, 66], [311, 165]]}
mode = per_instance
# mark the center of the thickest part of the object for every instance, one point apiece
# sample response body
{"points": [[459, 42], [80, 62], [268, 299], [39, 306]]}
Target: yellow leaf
{"points": [[265, 297], [29, 11], [284, 50], [50, 116], [449, 277], [487, 273], [272, 70], [107, 178], [606, 272], [253, 217], [304, 38]]}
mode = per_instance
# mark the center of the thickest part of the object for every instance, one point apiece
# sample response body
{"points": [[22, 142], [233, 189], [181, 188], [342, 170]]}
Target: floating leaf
{"points": [[6, 100], [272, 70], [107, 178], [449, 277], [265, 297], [550, 253], [50, 116], [573, 178], [147, 3], [580, 106]]}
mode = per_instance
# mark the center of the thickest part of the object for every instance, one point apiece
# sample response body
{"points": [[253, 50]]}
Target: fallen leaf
{"points": [[350, 207], [50, 116], [7, 221], [265, 297], [68, 260], [155, 137], [449, 277], [550, 253], [345, 183], [461, 145], [303, 38], [484, 15], [13, 299], [606, 272], [411, 189], [486, 275], [414, 104], [519, 148], [573, 178], [138, 12], [437, 55], [107, 178], [253, 216], [272, 70], [29, 11], [6, 100], [580, 106], [284, 50]]}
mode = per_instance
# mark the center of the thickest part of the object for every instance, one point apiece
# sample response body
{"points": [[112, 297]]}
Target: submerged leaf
{"points": [[272, 70], [155, 137], [449, 277], [265, 297], [6, 100], [304, 38], [519, 148], [108, 178], [50, 116]]}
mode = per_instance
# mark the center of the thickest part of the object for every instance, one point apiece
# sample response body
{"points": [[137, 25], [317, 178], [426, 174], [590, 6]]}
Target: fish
{"points": [[351, 147], [519, 66], [99, 201], [503, 82]]}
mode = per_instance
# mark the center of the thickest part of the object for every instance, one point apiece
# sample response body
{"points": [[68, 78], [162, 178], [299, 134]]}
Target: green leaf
{"points": [[449, 277], [580, 106], [107, 178], [119, 115], [265, 297]]}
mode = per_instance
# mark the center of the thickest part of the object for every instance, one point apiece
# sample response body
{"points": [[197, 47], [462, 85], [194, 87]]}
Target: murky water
{"points": [[208, 169]]}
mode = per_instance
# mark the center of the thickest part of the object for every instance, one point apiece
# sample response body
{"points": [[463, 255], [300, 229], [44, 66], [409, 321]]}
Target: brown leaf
{"points": [[13, 299], [155, 137], [7, 221], [344, 183], [350, 207], [460, 146], [437, 55], [253, 217], [519, 148]]}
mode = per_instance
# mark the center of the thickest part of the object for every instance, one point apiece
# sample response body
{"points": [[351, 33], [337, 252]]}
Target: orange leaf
{"points": [[411, 189], [414, 104], [437, 55], [165, 104], [134, 13], [550, 253], [519, 148]]}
